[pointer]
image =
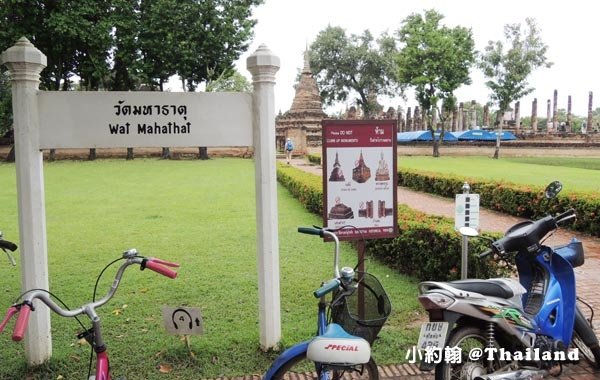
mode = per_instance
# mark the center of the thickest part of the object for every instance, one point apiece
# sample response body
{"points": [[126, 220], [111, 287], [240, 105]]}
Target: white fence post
{"points": [[263, 65], [25, 63]]}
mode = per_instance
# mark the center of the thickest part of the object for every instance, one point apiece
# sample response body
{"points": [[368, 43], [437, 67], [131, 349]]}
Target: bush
{"points": [[427, 247], [314, 159], [519, 200]]}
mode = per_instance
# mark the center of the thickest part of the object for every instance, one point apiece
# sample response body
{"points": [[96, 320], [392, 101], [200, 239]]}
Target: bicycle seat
{"points": [[336, 346]]}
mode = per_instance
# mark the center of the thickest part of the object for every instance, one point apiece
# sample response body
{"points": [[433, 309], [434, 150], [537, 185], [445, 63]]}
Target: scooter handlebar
{"points": [[5, 244]]}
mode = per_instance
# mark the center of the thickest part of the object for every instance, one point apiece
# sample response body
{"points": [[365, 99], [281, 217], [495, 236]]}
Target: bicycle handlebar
{"points": [[5, 244], [21, 324], [160, 266], [328, 287], [24, 308], [311, 231]]}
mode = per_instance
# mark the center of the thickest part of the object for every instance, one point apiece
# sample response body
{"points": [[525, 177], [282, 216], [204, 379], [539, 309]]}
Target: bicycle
{"points": [[358, 310], [4, 245], [92, 335]]}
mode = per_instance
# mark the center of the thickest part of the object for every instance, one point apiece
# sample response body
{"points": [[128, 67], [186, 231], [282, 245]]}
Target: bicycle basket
{"points": [[364, 319]]}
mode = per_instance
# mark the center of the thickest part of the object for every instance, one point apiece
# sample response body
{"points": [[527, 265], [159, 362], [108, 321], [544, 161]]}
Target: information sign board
{"points": [[467, 211], [359, 178]]}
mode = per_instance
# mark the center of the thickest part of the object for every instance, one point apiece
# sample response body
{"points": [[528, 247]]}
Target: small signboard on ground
{"points": [[183, 320], [360, 178]]}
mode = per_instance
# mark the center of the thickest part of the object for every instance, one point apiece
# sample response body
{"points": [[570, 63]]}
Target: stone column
{"points": [[465, 121], [454, 118], [486, 116], [401, 121], [548, 119], [473, 114], [569, 114], [534, 120], [25, 63], [518, 117], [589, 116], [555, 112], [409, 120], [263, 65], [417, 119], [459, 120]]}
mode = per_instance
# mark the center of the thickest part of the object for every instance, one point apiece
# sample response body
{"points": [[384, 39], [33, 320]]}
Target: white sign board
{"points": [[80, 119], [182, 320], [467, 211]]}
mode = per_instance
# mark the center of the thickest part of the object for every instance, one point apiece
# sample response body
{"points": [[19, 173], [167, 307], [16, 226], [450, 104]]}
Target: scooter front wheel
{"points": [[585, 339], [300, 368], [465, 340]]}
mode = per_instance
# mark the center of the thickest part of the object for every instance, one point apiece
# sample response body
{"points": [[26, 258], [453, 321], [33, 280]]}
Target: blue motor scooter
{"points": [[519, 329]]}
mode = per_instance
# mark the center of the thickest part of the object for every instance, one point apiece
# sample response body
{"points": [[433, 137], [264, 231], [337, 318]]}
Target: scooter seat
{"points": [[486, 287], [336, 346]]}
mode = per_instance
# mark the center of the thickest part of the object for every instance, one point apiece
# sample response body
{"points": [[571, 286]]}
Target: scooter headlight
{"points": [[433, 301]]}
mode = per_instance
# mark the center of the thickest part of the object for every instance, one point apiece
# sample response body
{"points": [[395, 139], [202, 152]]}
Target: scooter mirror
{"points": [[468, 231], [553, 189]]}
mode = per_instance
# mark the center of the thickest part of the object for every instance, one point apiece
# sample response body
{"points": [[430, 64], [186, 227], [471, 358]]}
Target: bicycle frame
{"points": [[302, 347]]}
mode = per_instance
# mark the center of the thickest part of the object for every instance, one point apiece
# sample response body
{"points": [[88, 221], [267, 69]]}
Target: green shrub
{"points": [[314, 158], [519, 200], [427, 247]]}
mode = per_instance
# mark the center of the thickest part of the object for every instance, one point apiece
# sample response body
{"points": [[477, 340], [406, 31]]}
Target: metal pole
{"points": [[465, 241]]}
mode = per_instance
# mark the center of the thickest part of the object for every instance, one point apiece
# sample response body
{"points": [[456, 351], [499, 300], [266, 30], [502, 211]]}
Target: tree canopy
{"points": [[121, 44], [434, 60], [508, 70], [355, 66]]}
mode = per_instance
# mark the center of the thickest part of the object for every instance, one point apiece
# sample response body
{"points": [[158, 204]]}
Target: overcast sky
{"points": [[569, 28]]}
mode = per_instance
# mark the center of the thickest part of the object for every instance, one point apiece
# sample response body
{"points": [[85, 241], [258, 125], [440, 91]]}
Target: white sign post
{"points": [[139, 119], [467, 215]]}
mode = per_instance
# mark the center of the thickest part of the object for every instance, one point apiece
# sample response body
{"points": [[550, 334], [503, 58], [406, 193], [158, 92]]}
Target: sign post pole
{"points": [[465, 244], [263, 65], [25, 63]]}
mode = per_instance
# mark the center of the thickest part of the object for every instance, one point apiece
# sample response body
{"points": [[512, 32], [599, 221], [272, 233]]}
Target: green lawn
{"points": [[538, 172], [569, 162], [198, 213]]}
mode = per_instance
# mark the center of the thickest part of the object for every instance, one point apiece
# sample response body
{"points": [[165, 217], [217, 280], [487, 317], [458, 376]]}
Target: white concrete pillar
{"points": [[263, 65], [25, 63]]}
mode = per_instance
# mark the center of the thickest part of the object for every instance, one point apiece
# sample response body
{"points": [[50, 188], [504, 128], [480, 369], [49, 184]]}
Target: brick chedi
{"points": [[302, 123]]}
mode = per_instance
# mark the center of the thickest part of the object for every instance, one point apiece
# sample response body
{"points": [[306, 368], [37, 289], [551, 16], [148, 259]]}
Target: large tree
{"points": [[434, 60], [121, 44], [353, 66], [507, 65]]}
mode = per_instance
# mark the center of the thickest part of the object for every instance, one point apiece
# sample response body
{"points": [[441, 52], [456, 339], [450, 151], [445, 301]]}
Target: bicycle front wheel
{"points": [[300, 368]]}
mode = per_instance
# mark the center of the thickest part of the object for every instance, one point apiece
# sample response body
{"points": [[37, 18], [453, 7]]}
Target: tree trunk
{"points": [[129, 154], [52, 155], [92, 155], [499, 122], [11, 155], [166, 154], [203, 153]]}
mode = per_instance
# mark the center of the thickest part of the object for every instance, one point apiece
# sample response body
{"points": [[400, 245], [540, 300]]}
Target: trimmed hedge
{"points": [[509, 198], [314, 159], [427, 248]]}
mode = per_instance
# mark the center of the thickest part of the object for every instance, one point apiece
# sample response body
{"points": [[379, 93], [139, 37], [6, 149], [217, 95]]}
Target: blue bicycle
{"points": [[358, 310]]}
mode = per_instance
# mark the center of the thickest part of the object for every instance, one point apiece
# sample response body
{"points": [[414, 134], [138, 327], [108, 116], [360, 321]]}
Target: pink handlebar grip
{"points": [[158, 268], [21, 325], [163, 262], [11, 311]]}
